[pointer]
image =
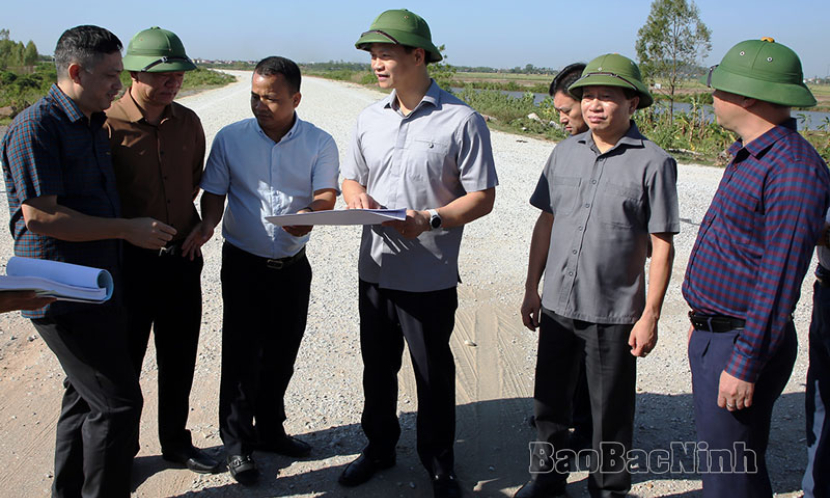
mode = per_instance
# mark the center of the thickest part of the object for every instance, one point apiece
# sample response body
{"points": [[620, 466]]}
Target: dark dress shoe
{"points": [[285, 445], [193, 458], [243, 469], [362, 469], [542, 488], [446, 486]]}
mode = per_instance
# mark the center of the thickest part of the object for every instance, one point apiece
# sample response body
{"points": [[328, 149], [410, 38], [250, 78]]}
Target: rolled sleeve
{"points": [[661, 190], [354, 167], [326, 169], [34, 162], [216, 178], [541, 195], [477, 168]]}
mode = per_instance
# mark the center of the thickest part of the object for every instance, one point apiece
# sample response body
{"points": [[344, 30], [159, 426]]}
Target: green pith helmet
{"points": [[157, 50], [763, 70], [400, 27], [613, 70]]}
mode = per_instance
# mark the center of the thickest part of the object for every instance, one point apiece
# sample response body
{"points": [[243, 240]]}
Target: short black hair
{"points": [[566, 77], [271, 66], [85, 45]]}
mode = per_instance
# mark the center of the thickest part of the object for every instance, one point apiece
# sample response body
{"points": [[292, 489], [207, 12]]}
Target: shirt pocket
{"points": [[745, 222], [564, 194], [620, 206], [426, 159]]}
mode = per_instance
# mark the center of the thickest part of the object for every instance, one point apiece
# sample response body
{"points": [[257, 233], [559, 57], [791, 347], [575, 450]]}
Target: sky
{"points": [[500, 34]]}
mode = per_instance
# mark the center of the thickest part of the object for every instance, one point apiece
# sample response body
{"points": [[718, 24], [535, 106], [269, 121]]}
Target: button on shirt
{"points": [[263, 178], [424, 160], [604, 206], [51, 148], [756, 241], [157, 168]]}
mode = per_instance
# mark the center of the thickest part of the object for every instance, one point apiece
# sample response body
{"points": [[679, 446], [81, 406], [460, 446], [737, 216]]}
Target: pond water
{"points": [[807, 120]]}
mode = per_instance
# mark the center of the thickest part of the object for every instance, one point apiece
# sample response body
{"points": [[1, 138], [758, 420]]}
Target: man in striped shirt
{"points": [[746, 268]]}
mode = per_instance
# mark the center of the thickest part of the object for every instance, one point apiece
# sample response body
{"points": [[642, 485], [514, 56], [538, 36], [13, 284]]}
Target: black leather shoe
{"points": [[193, 458], [362, 469], [285, 445], [542, 489], [243, 469], [446, 486]]}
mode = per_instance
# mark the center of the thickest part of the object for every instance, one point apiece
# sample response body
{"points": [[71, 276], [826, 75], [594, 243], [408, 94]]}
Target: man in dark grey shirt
{"points": [[612, 201]]}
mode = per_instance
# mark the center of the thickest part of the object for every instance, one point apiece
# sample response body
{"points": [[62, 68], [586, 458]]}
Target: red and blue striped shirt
{"points": [[756, 241]]}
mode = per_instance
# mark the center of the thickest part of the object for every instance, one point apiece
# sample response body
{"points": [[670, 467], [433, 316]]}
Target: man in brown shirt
{"points": [[158, 149]]}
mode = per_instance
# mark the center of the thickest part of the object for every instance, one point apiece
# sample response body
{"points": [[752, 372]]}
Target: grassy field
{"points": [[22, 90]]}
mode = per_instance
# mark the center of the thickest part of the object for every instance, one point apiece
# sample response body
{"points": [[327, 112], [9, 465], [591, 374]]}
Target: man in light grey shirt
{"points": [[612, 199], [424, 150]]}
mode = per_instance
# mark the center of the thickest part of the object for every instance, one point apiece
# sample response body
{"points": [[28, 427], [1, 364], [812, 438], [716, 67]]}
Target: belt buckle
{"points": [[163, 251], [274, 264]]}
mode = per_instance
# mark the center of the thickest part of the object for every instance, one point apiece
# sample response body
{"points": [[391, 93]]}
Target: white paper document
{"points": [[340, 217], [64, 281]]}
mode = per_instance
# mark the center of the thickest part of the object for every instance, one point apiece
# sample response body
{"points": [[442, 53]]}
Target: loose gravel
{"points": [[495, 355]]}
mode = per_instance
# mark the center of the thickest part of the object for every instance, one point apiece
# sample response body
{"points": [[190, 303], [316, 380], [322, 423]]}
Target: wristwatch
{"points": [[434, 219]]}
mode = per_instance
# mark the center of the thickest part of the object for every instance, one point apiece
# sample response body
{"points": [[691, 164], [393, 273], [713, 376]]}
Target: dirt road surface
{"points": [[494, 355]]}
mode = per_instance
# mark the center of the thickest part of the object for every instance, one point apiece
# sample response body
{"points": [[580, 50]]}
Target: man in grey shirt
{"points": [[424, 150], [611, 201]]}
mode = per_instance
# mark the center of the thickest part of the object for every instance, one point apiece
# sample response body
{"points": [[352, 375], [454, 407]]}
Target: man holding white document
{"points": [[271, 165], [421, 149], [64, 207]]}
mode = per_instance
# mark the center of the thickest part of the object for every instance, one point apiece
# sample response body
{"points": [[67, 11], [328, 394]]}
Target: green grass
{"points": [[22, 90]]}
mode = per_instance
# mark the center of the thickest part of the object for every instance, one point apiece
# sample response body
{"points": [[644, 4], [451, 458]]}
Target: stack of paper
{"points": [[64, 281], [344, 217]]}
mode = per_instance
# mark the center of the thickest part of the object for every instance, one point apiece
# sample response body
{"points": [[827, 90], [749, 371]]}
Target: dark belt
{"points": [[715, 323], [272, 264]]}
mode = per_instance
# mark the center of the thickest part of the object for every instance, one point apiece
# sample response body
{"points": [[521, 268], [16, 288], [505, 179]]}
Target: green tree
{"points": [[30, 55], [672, 43]]}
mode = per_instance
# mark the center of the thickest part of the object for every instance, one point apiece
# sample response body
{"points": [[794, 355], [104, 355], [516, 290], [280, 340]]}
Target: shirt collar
{"points": [[72, 111], [632, 138], [762, 143], [64, 103], [295, 129], [432, 97], [133, 112]]}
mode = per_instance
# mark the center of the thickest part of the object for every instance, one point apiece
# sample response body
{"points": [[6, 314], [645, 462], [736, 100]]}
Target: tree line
{"points": [[16, 54]]}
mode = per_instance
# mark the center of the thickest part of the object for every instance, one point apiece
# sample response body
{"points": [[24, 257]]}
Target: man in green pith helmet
{"points": [[158, 150], [609, 187], [745, 271], [426, 151]]}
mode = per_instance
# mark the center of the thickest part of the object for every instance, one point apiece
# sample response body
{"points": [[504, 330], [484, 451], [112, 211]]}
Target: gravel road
{"points": [[494, 355]]}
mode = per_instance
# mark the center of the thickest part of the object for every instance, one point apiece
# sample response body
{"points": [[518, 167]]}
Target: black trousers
{"points": [[816, 482], [742, 435], [165, 293], [101, 404], [611, 373], [264, 319], [426, 321]]}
